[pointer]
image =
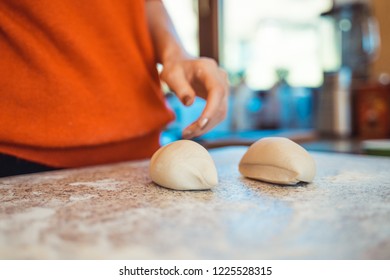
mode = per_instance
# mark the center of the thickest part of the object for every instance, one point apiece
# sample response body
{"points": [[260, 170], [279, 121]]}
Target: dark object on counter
{"points": [[359, 36], [333, 116], [371, 110], [358, 42], [11, 166]]}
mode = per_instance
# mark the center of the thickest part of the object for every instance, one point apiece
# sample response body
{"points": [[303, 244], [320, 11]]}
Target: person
{"points": [[79, 84]]}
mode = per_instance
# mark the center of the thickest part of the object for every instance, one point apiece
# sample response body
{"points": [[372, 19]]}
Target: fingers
{"points": [[209, 81], [196, 129], [214, 81], [212, 115], [178, 83]]}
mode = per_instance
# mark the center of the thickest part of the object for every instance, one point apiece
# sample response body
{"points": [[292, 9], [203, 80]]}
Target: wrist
{"points": [[173, 55]]}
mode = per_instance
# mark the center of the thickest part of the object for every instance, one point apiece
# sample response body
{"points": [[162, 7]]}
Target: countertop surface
{"points": [[116, 212]]}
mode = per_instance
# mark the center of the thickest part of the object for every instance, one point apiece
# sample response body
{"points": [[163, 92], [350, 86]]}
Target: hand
{"points": [[201, 77]]}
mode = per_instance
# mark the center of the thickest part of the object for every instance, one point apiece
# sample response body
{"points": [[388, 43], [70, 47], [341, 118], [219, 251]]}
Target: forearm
{"points": [[187, 76], [166, 42]]}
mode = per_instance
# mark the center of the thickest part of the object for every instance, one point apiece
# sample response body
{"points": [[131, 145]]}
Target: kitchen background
{"points": [[311, 70], [316, 71]]}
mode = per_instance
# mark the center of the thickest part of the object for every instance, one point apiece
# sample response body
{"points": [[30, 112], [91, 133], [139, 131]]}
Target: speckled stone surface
{"points": [[116, 212]]}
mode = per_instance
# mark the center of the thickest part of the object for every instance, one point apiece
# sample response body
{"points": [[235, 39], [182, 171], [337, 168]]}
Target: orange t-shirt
{"points": [[78, 82]]}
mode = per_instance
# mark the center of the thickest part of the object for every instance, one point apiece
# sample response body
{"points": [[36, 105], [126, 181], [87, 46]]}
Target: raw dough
{"points": [[277, 160], [183, 165]]}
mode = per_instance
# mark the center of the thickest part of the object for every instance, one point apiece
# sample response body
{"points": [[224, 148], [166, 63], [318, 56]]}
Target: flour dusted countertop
{"points": [[116, 212]]}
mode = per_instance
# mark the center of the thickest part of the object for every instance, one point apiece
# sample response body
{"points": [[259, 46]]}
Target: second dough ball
{"points": [[277, 160], [183, 165]]}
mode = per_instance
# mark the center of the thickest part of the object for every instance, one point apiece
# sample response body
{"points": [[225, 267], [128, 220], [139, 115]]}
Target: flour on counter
{"points": [[352, 176], [106, 184]]}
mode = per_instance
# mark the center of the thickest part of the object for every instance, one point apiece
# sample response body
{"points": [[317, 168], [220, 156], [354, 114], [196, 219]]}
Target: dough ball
{"points": [[278, 160], [183, 165]]}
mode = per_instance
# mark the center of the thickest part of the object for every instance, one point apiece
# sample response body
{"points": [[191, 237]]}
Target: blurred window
{"points": [[261, 37], [276, 53], [184, 14]]}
